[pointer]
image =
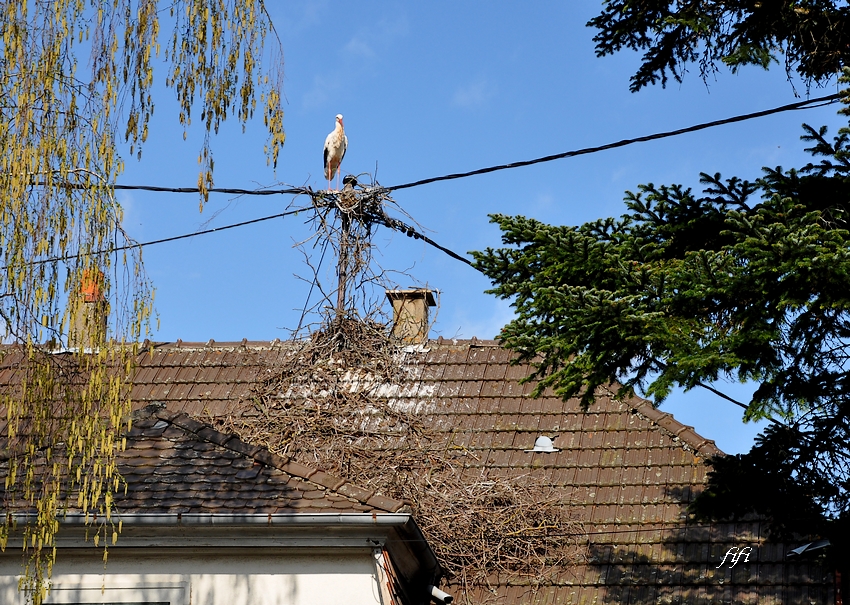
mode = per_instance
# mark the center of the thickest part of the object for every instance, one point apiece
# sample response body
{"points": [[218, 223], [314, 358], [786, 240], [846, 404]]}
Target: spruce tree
{"points": [[743, 280]]}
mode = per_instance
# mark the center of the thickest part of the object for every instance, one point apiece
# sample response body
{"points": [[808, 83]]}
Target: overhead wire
{"points": [[807, 104], [228, 190], [402, 227], [817, 102], [164, 239], [821, 101]]}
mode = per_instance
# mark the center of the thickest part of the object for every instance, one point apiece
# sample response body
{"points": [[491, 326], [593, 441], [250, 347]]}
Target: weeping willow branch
{"points": [[76, 83]]}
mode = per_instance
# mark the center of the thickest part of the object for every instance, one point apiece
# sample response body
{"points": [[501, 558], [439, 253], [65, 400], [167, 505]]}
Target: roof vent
{"points": [[410, 313], [805, 548], [544, 445]]}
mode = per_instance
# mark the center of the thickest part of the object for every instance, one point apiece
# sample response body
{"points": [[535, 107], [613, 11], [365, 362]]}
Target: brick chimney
{"points": [[410, 313], [88, 330]]}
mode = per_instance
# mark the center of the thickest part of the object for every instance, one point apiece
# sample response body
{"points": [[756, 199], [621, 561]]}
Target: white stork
{"points": [[335, 145]]}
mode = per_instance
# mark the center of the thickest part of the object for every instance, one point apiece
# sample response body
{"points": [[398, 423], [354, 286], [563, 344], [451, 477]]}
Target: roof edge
{"points": [[402, 535], [684, 433], [231, 519]]}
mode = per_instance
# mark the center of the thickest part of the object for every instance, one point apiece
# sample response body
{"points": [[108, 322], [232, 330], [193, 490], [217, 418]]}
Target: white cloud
{"points": [[131, 219], [543, 201], [357, 46], [366, 43], [303, 16], [464, 326], [393, 28], [361, 50], [474, 94], [324, 87]]}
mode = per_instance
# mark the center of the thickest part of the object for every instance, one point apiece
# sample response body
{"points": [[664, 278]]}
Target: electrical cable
{"points": [[827, 100], [402, 227], [409, 231], [229, 190], [165, 239], [397, 225], [454, 255], [808, 104]]}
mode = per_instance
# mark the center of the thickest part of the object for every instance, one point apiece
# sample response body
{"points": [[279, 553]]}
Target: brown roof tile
{"points": [[516, 372], [625, 469], [174, 463]]}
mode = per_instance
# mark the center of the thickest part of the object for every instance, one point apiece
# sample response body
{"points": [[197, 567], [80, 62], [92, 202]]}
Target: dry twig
{"points": [[333, 404]]}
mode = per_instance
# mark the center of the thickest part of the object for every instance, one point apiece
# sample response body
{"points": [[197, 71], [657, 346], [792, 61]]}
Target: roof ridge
{"points": [[684, 433], [147, 345], [188, 345], [260, 454]]}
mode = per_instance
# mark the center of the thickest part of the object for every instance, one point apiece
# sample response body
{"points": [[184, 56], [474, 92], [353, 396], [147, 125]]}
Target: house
{"points": [[448, 429], [615, 492], [208, 518]]}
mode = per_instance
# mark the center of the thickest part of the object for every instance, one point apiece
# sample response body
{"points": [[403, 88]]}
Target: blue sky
{"points": [[428, 89]]}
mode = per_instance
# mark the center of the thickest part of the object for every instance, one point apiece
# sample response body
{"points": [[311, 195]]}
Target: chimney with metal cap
{"points": [[410, 313]]}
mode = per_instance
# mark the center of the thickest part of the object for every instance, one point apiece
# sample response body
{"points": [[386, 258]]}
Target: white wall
{"points": [[213, 576]]}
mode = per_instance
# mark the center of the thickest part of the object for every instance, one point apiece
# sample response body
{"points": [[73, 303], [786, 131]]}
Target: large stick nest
{"points": [[331, 404]]}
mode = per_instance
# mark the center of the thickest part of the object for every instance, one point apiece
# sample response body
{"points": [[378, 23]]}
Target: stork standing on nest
{"points": [[335, 146]]}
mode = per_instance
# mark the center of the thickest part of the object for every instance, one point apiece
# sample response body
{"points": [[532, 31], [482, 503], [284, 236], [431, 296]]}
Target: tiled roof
{"points": [[626, 471], [175, 464]]}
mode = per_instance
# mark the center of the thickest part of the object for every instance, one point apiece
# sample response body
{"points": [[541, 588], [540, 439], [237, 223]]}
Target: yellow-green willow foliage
{"points": [[76, 82]]}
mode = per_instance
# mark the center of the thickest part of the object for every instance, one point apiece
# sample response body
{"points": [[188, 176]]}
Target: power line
{"points": [[410, 232], [232, 191], [196, 190], [454, 255], [808, 104], [206, 231], [165, 239], [588, 150], [400, 226], [390, 223], [397, 225]]}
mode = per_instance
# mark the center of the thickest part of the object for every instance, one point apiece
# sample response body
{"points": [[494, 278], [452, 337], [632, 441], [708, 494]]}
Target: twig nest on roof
{"points": [[337, 403]]}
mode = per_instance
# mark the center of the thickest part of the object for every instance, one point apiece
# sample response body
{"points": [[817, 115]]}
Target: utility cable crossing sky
{"points": [[807, 104]]}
